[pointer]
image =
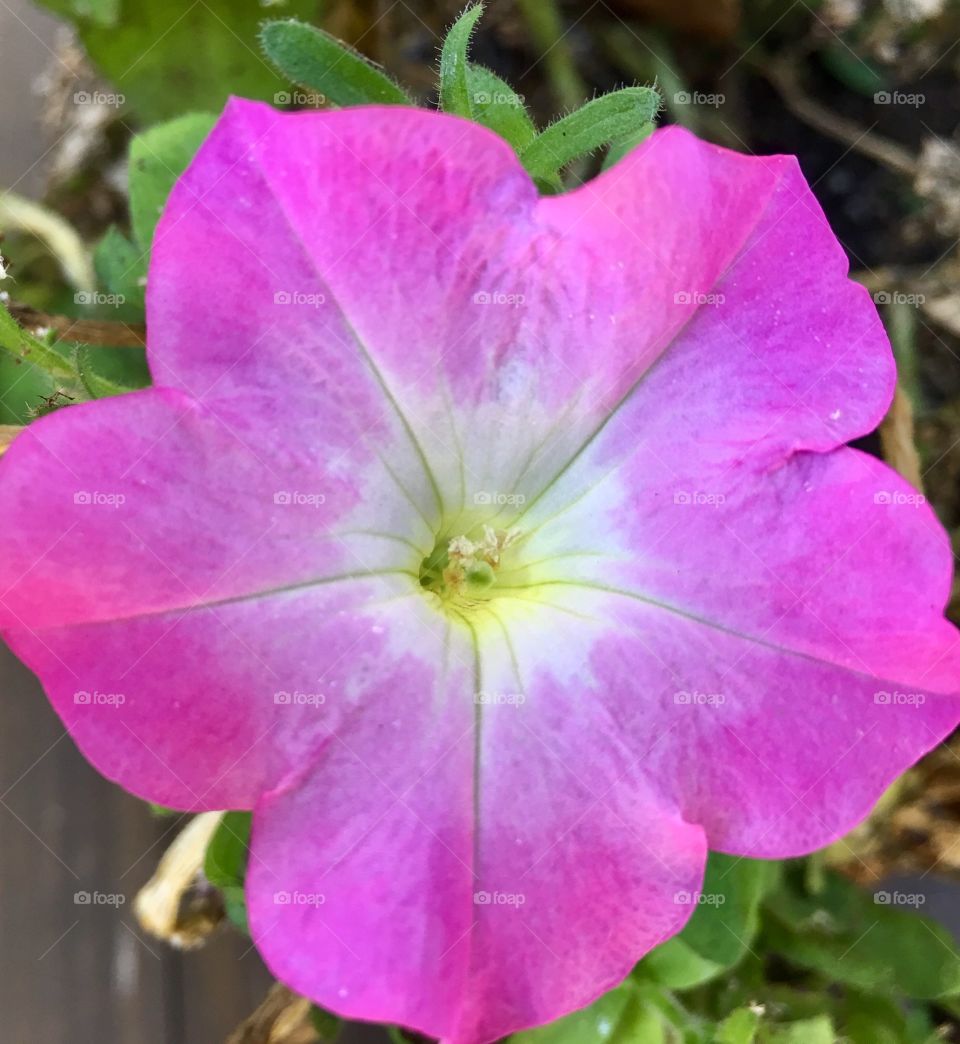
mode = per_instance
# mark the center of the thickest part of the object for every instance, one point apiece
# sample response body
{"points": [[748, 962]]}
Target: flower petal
{"points": [[153, 502], [466, 883], [410, 249], [169, 570]]}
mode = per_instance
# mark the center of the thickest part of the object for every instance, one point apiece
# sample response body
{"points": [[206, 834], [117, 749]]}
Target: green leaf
{"points": [[859, 938], [25, 388], [850, 69], [161, 811], [325, 1023], [676, 965], [618, 1017], [727, 916], [121, 268], [497, 106], [609, 118], [22, 345], [157, 158], [739, 1027], [724, 923], [320, 62], [95, 384], [865, 1018], [235, 905], [455, 93], [225, 863], [165, 57], [818, 1030]]}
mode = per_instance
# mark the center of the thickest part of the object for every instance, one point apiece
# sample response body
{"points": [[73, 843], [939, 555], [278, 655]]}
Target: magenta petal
{"points": [[712, 626], [440, 901]]}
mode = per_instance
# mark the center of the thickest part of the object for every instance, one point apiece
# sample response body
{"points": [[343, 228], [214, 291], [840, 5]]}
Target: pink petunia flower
{"points": [[501, 553]]}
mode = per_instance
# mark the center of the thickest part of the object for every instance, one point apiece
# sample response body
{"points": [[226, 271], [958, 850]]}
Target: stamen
{"points": [[466, 569]]}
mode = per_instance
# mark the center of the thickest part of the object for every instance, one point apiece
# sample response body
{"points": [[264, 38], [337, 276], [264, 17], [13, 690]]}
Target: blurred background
{"points": [[866, 94]]}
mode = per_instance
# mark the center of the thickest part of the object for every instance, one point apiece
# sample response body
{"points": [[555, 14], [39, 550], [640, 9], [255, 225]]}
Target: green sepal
{"points": [[610, 118], [323, 64], [497, 106], [455, 92]]}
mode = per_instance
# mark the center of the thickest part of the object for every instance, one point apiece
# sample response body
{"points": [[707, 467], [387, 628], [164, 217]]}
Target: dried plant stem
{"points": [[108, 333], [61, 238], [282, 1018], [8, 432], [159, 905], [897, 439], [783, 77]]}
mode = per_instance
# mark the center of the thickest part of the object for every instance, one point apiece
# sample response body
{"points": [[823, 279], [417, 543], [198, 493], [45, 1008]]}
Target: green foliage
{"points": [[325, 65], [851, 69], [456, 96], [739, 1027], [22, 345], [854, 937], [496, 105], [716, 983], [95, 384], [24, 387], [818, 1030], [477, 93], [326, 1024], [167, 57], [157, 158], [225, 864], [121, 268], [722, 928], [618, 1017], [610, 118]]}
